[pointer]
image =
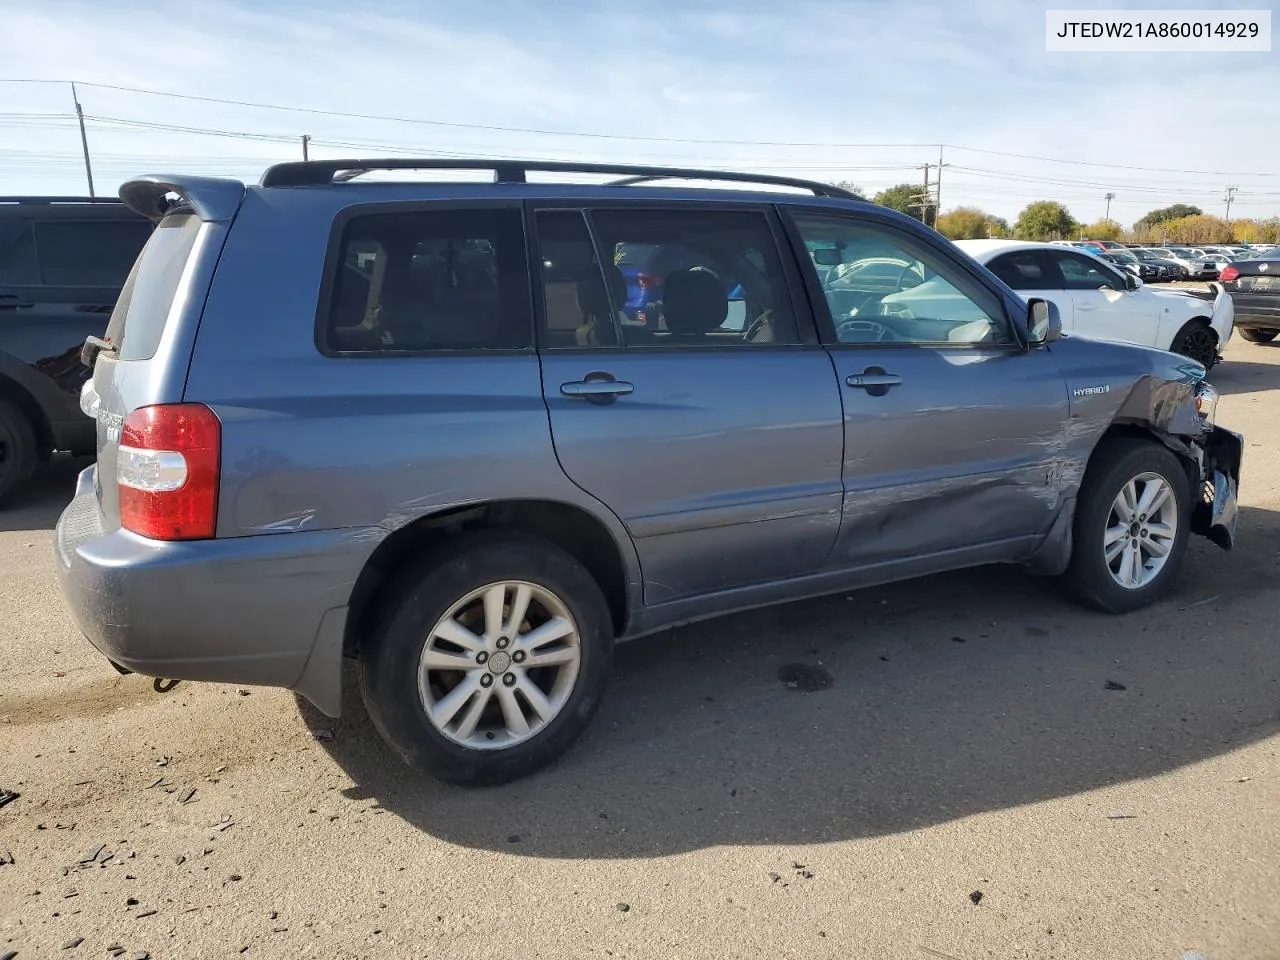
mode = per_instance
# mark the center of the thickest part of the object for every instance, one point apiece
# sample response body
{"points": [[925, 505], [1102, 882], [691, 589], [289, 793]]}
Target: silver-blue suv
{"points": [[411, 423]]}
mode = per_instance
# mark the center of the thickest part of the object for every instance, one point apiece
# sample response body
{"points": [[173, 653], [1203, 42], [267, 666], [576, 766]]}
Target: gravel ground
{"points": [[993, 773]]}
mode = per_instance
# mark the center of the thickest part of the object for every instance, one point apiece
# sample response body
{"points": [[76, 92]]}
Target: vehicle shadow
{"points": [[976, 691], [1244, 376], [41, 503]]}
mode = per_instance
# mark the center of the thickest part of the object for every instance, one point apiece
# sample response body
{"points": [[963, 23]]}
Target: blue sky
{"points": [[885, 81]]}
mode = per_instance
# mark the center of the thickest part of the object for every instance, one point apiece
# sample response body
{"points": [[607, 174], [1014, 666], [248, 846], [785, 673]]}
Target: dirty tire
{"points": [[1197, 340], [18, 453], [1257, 336], [1114, 463], [424, 593]]}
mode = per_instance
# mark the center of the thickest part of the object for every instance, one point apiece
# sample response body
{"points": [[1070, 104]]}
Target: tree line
{"points": [[1049, 220]]}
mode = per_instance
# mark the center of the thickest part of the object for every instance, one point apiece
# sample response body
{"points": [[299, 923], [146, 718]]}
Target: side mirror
{"points": [[1131, 282], [1044, 322]]}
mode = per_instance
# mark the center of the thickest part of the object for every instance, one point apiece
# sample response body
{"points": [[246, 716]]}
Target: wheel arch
{"points": [[1137, 430], [22, 398], [569, 526]]}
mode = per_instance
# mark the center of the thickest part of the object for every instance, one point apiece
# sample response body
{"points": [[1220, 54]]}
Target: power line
{"points": [[635, 137]]}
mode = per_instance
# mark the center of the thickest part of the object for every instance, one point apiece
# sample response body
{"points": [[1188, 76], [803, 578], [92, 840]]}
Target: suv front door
{"points": [[712, 430], [952, 427]]}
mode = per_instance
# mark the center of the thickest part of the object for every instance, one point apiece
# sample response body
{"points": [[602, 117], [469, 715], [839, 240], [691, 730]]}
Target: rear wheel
{"points": [[1131, 526], [18, 453], [1197, 341], [492, 660], [1257, 336]]}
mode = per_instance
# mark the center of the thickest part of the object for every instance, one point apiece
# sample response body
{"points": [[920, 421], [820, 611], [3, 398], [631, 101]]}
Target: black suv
{"points": [[63, 261]]}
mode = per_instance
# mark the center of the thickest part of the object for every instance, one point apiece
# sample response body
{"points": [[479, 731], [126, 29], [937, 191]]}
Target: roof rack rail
{"points": [[59, 199], [303, 173]]}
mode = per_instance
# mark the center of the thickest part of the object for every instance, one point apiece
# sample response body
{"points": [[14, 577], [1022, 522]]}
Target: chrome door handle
{"points": [[597, 389], [866, 381]]}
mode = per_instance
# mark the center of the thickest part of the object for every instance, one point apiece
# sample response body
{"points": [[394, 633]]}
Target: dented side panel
{"points": [[965, 452]]}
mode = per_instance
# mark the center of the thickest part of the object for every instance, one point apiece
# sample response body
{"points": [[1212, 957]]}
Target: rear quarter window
{"points": [[428, 280], [138, 321]]}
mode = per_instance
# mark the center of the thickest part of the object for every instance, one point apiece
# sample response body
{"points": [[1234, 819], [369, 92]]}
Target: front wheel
{"points": [[1254, 335], [1197, 341], [492, 659], [1131, 526]]}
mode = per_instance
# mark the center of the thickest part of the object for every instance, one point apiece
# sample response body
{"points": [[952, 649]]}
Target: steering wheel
{"points": [[910, 277], [854, 328], [757, 325]]}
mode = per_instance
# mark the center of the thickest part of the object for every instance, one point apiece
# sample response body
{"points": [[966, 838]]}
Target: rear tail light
{"points": [[647, 281], [167, 471], [1229, 273]]}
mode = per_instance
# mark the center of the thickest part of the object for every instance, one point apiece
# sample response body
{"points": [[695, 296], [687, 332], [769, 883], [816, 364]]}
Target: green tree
{"points": [[851, 187], [904, 197], [1175, 212], [1104, 230], [1200, 228], [998, 227], [970, 223], [1044, 220]]}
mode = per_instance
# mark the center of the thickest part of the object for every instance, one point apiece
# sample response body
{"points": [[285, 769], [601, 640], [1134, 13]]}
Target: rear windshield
{"points": [[138, 319]]}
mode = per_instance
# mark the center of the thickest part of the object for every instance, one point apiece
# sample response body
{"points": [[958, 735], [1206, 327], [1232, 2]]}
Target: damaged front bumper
{"points": [[1214, 513]]}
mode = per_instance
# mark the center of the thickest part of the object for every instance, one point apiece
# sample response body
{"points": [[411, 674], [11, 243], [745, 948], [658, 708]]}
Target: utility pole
{"points": [[1110, 197], [925, 197], [938, 189], [84, 141], [1231, 192], [306, 140]]}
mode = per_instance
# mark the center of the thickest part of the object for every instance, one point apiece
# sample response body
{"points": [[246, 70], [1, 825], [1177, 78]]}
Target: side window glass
{"points": [[87, 253], [18, 265], [1022, 270], [885, 287], [1080, 274], [695, 278], [430, 280], [579, 308]]}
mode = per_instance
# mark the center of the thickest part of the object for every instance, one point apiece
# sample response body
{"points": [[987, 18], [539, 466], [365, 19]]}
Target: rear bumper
{"points": [[1259, 311], [268, 610]]}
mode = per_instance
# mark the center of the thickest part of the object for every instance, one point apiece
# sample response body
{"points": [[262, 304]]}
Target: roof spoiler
{"points": [[211, 198]]}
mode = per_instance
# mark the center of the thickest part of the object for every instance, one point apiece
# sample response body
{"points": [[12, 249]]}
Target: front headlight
{"points": [[1206, 403]]}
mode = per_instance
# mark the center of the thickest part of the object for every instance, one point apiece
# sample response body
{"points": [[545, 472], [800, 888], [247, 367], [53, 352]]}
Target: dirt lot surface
{"points": [[993, 773]]}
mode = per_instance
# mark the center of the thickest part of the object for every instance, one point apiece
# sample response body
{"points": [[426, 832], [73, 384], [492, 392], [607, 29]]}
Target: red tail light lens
{"points": [[647, 281], [167, 471], [1229, 273]]}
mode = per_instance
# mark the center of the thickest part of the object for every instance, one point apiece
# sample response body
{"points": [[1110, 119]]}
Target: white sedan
{"points": [[1097, 299]]}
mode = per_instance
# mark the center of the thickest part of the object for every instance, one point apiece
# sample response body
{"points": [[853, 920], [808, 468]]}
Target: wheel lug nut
{"points": [[502, 643], [486, 680], [509, 679], [481, 657], [518, 656]]}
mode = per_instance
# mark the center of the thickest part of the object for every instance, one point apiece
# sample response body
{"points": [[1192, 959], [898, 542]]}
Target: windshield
{"points": [[138, 319]]}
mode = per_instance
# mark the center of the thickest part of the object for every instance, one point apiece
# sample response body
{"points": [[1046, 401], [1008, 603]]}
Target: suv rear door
{"points": [[952, 427], [713, 434], [150, 331]]}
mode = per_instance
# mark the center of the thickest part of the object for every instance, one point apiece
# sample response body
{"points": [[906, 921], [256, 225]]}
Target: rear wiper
{"points": [[94, 346]]}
